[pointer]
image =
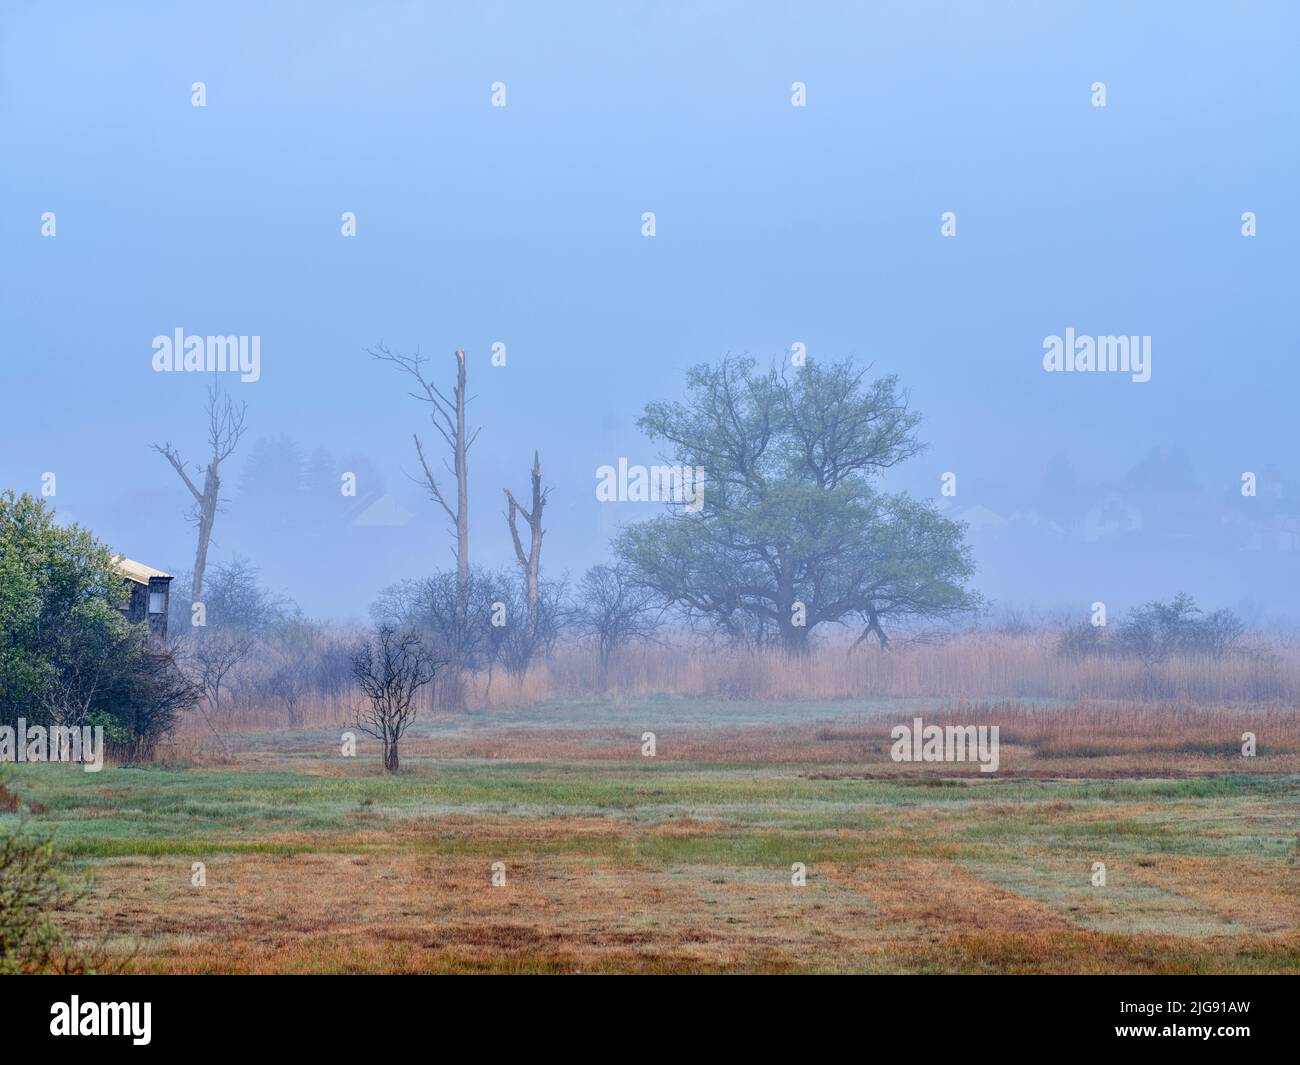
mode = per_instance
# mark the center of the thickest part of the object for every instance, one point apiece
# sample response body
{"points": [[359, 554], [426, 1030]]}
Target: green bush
{"points": [[67, 655], [33, 886]]}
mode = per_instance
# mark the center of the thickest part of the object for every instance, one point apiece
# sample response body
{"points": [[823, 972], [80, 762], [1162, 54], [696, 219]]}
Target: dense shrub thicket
{"points": [[67, 655], [1155, 632]]}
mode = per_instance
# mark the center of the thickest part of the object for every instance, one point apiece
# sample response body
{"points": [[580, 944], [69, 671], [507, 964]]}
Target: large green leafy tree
{"points": [[57, 592], [793, 531], [67, 655]]}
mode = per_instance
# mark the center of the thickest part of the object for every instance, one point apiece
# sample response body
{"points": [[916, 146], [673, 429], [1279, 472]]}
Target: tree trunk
{"points": [[535, 544], [873, 625], [225, 428], [448, 418], [207, 518], [450, 690], [605, 654], [794, 640], [462, 482], [390, 756], [531, 562]]}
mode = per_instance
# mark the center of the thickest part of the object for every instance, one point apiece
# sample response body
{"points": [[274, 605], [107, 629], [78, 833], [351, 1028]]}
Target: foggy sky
{"points": [[775, 225]]}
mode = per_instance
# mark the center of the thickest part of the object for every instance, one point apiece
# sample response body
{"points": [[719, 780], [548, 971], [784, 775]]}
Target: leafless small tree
{"points": [[454, 621], [612, 610], [515, 645], [530, 563], [239, 613], [290, 678], [215, 657], [390, 669], [225, 427]]}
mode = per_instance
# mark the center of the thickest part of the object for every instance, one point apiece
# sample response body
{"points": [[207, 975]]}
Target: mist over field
{"points": [[776, 225]]}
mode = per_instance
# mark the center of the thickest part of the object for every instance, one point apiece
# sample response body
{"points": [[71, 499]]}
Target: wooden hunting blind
{"points": [[149, 594]]}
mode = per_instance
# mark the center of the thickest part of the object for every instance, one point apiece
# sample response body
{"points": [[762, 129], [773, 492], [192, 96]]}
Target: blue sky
{"points": [[775, 224]]}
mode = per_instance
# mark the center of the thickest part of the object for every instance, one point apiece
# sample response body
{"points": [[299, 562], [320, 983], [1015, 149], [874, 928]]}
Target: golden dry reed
{"points": [[973, 666]]}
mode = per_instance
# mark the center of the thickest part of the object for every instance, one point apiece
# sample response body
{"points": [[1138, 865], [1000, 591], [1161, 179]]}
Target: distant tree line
{"points": [[794, 533]]}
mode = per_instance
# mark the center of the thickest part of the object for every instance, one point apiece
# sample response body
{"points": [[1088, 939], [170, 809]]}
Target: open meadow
{"points": [[685, 861]]}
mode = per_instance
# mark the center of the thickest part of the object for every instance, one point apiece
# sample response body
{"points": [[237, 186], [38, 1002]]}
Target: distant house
{"points": [[1113, 516], [381, 510], [150, 591], [1272, 532]]}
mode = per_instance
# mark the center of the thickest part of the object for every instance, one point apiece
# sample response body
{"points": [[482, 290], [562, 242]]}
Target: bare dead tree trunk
{"points": [[530, 563], [225, 427], [448, 418], [462, 480], [207, 516], [447, 414]]}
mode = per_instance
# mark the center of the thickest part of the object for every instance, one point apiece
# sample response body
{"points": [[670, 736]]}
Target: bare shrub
{"points": [[612, 612], [390, 669]]}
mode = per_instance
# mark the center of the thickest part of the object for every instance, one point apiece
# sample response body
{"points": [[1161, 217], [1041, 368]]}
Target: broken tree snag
{"points": [[531, 562], [225, 427]]}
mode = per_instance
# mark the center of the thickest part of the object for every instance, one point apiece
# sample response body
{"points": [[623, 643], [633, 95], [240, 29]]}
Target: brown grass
{"points": [[970, 666], [400, 912], [973, 666], [1086, 740], [939, 869]]}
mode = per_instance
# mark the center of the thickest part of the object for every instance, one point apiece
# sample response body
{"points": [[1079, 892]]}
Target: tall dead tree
{"points": [[448, 417], [531, 562], [225, 427]]}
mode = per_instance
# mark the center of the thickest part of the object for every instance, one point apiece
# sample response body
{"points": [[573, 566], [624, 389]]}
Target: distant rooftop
{"points": [[136, 571]]}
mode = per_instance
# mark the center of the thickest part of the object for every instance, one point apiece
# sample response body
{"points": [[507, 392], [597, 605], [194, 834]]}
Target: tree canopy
{"points": [[794, 531], [67, 655]]}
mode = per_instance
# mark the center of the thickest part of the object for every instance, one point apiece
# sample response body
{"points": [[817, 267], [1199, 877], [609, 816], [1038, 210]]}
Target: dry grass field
{"points": [[614, 861], [985, 666]]}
